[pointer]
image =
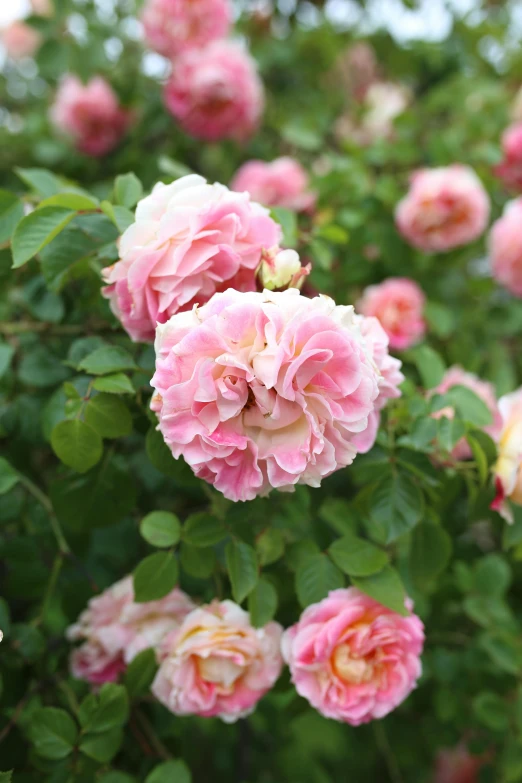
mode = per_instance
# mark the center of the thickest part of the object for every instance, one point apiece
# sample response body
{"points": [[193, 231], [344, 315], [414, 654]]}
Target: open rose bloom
{"points": [[90, 115], [217, 664], [216, 93], [510, 168], [20, 40], [281, 183], [189, 240], [262, 390], [445, 207], [353, 659], [174, 26], [508, 468], [114, 629], [398, 304], [505, 248]]}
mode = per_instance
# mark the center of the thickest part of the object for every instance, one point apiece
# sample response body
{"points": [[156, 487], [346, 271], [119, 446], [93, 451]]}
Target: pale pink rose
{"points": [[114, 629], [457, 765], [510, 168], [384, 102], [505, 248], [189, 240], [456, 376], [216, 664], [90, 115], [390, 379], [281, 183], [508, 468], [174, 26], [398, 303], [267, 390], [445, 207], [216, 93], [353, 659], [20, 40]]}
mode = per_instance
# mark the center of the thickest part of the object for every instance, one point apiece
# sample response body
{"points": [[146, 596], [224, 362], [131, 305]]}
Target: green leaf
{"points": [[75, 201], [270, 546], [492, 575], [357, 557], [107, 360], [102, 747], [41, 181], [120, 216], [108, 415], [262, 603], [155, 577], [161, 529], [140, 673], [53, 733], [173, 168], [107, 709], [114, 776], [288, 222], [6, 777], [36, 230], [450, 431], [8, 476], [468, 406], [385, 587], [430, 551], [11, 212], [397, 504], [202, 529], [429, 363], [170, 772], [128, 190], [40, 367], [242, 569], [29, 642], [504, 650], [197, 561], [76, 444], [491, 710], [441, 319], [480, 458], [315, 577], [6, 354], [118, 383]]}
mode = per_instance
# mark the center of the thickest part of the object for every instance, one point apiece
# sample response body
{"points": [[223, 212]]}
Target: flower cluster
{"points": [[281, 183]]}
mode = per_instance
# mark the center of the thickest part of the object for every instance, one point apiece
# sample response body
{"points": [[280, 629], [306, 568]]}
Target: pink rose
{"points": [[216, 93], [508, 467], [281, 183], [114, 629], [90, 114], [457, 765], [505, 248], [456, 376], [216, 664], [510, 169], [189, 240], [174, 26], [263, 390], [398, 303], [20, 40], [445, 207], [353, 659]]}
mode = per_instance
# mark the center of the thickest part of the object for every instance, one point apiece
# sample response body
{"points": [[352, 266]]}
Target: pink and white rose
{"points": [[189, 240], [175, 26], [508, 467], [216, 664], [398, 304], [510, 168], [353, 659], [264, 390], [445, 207], [114, 629], [505, 248], [281, 183], [216, 93]]}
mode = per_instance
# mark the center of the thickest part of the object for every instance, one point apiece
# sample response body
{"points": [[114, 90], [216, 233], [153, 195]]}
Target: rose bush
{"points": [[260, 407]]}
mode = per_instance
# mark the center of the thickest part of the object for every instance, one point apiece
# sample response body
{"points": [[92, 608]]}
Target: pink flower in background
{"points": [[390, 379], [217, 664], [353, 659], [505, 248], [90, 114], [510, 168], [216, 93], [456, 376], [508, 468], [189, 240], [42, 7], [445, 207], [457, 765], [281, 183], [174, 26], [267, 390], [114, 629], [20, 40], [398, 303]]}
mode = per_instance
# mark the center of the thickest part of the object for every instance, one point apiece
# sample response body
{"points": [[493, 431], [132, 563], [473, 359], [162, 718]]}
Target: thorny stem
{"points": [[42, 498], [385, 748], [154, 740]]}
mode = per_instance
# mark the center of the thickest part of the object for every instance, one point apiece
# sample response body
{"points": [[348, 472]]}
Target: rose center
{"points": [[351, 668], [221, 671]]}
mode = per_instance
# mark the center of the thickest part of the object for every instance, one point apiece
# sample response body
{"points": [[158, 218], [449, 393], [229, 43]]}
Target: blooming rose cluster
{"points": [[189, 240], [510, 168], [267, 390], [398, 303], [445, 207], [505, 248], [90, 115], [508, 468], [281, 183]]}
